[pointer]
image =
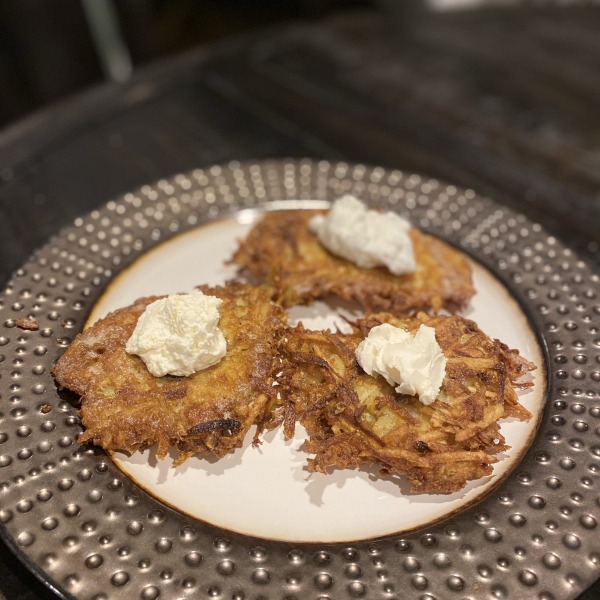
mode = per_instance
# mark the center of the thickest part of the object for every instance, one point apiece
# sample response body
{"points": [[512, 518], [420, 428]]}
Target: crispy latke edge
{"points": [[288, 297], [541, 384], [281, 316]]}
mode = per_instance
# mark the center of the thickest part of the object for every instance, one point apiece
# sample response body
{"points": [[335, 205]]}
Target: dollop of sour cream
{"points": [[365, 237], [179, 335], [415, 364]]}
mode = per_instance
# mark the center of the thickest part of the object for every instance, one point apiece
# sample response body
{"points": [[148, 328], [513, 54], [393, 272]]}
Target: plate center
{"points": [[267, 491]]}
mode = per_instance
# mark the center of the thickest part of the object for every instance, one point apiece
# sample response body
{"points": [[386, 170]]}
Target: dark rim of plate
{"points": [[88, 531]]}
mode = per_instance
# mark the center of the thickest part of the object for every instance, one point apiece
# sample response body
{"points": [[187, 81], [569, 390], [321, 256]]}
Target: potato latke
{"points": [[282, 251], [124, 407], [353, 418]]}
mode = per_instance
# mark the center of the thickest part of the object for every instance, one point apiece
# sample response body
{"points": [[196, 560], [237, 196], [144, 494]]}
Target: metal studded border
{"points": [[91, 533]]}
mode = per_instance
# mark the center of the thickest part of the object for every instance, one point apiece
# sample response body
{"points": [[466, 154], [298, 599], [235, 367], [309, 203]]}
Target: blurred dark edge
{"points": [[47, 52], [501, 101]]}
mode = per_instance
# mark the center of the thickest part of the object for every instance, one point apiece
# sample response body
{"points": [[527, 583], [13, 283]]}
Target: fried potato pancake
{"points": [[124, 407], [282, 251], [353, 418]]}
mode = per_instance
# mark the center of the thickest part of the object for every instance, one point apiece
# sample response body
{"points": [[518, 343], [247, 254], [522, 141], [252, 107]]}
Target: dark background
{"points": [[47, 51]]}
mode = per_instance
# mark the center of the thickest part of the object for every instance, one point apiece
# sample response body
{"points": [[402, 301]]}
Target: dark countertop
{"points": [[503, 101]]}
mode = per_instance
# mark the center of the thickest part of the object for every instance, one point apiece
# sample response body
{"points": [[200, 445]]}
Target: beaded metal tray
{"points": [[89, 531]]}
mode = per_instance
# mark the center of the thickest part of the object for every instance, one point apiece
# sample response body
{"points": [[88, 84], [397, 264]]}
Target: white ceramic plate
{"points": [[267, 491]]}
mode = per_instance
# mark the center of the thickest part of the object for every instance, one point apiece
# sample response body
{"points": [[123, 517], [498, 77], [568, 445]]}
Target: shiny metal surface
{"points": [[86, 529]]}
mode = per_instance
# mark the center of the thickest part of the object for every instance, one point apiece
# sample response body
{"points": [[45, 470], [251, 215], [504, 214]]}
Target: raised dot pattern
{"points": [[531, 535]]}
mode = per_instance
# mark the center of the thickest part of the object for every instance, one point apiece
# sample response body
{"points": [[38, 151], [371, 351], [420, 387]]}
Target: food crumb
{"points": [[27, 323], [45, 408]]}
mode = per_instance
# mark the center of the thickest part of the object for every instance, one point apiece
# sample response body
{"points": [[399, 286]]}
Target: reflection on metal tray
{"points": [[88, 530]]}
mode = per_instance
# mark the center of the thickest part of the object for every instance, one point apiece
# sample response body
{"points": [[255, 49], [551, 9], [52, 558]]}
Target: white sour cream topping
{"points": [[365, 237], [179, 335], [415, 364]]}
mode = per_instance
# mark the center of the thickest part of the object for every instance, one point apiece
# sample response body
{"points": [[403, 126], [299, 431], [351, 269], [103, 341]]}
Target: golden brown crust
{"points": [[124, 407], [353, 418], [282, 251]]}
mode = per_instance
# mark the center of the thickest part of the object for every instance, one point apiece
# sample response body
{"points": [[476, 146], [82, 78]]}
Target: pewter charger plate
{"points": [[89, 531]]}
